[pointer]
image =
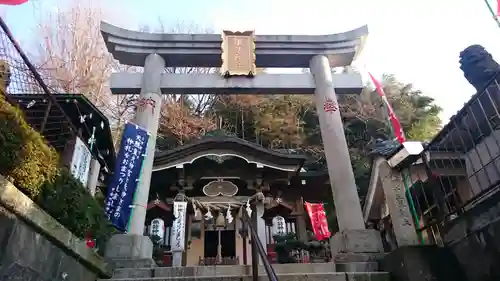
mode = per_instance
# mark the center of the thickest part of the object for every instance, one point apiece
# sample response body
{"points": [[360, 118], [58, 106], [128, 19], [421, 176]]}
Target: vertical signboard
{"points": [[238, 53], [80, 162], [126, 175], [178, 227]]}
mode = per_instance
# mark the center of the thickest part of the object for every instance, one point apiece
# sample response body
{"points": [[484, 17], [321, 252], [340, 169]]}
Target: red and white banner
{"points": [[12, 2], [319, 223], [396, 126]]}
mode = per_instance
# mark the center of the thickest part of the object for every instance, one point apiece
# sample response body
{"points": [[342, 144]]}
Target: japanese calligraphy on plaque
{"points": [[395, 196], [80, 162], [238, 53], [178, 227]]}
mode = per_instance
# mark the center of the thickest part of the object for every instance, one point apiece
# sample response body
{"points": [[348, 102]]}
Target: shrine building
{"points": [[220, 173]]}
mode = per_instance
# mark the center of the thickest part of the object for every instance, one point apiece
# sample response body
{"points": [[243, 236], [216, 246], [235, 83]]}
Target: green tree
{"points": [[274, 121], [365, 121]]}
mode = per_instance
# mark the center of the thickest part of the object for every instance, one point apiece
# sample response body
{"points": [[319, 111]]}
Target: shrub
{"points": [[67, 200], [33, 166], [25, 158]]}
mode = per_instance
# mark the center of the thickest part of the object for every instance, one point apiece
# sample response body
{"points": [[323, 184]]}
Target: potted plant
{"points": [[157, 249]]}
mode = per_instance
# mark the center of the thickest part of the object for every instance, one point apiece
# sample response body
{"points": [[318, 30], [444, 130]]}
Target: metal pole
{"points": [[413, 210], [253, 238], [493, 14], [219, 247]]}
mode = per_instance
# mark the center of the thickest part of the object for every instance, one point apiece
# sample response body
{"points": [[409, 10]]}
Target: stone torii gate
{"points": [[240, 54]]}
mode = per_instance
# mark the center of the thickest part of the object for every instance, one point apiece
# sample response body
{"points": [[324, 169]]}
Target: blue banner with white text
{"points": [[126, 175]]}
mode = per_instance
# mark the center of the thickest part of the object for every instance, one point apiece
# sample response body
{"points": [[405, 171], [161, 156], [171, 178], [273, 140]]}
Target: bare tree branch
{"points": [[73, 58], [184, 117]]}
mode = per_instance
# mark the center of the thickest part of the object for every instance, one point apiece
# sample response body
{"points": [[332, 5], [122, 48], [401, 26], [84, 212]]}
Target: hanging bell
{"points": [[197, 213], [208, 215], [221, 221]]}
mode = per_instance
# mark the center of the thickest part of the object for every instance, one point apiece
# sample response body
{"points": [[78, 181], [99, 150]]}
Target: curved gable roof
{"points": [[227, 146]]}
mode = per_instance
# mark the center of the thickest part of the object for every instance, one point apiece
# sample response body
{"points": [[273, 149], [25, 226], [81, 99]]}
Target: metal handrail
{"points": [[259, 248]]}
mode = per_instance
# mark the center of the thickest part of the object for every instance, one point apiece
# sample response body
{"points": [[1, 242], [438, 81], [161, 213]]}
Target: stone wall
{"points": [[474, 237], [35, 247]]}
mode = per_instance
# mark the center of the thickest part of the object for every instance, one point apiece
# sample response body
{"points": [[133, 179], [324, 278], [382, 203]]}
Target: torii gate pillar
{"points": [[147, 116], [347, 205], [134, 245], [354, 248]]}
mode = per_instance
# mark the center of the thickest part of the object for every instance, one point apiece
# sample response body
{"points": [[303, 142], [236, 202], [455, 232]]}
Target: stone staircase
{"points": [[285, 272]]}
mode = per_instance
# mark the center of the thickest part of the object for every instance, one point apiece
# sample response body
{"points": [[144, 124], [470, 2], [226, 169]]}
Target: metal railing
{"points": [[258, 251], [458, 175], [23, 75]]}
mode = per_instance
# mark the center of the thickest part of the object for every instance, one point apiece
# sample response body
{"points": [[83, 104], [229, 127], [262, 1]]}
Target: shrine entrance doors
{"points": [[220, 247]]}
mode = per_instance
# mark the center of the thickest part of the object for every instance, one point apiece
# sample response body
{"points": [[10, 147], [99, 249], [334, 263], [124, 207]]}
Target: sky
{"points": [[418, 41]]}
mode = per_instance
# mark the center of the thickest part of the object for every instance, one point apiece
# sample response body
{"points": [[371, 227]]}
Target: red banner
{"points": [[319, 223], [12, 2], [396, 126]]}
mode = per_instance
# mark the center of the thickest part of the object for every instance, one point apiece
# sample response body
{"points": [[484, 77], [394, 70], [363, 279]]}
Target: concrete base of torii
{"points": [[356, 250], [129, 251]]}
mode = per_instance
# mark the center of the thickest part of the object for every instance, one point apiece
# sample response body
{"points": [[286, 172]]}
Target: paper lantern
{"points": [[157, 228], [279, 226]]}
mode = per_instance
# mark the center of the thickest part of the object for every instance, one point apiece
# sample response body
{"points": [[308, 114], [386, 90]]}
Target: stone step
{"points": [[357, 267], [224, 270], [331, 276], [129, 264]]}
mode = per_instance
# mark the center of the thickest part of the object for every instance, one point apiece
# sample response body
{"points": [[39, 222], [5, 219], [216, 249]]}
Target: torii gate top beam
{"points": [[204, 50]]}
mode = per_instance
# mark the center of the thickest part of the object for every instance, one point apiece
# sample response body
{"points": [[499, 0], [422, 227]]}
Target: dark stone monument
{"points": [[423, 262], [480, 69], [478, 66]]}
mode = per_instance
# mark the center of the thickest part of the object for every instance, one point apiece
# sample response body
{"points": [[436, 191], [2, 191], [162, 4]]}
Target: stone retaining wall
{"points": [[475, 240], [35, 247]]}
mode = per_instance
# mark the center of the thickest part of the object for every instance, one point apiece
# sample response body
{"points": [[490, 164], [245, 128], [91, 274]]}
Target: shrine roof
{"points": [[385, 148], [50, 122], [228, 146]]}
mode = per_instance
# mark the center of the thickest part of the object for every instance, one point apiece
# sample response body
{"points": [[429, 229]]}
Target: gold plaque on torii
{"points": [[238, 53]]}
